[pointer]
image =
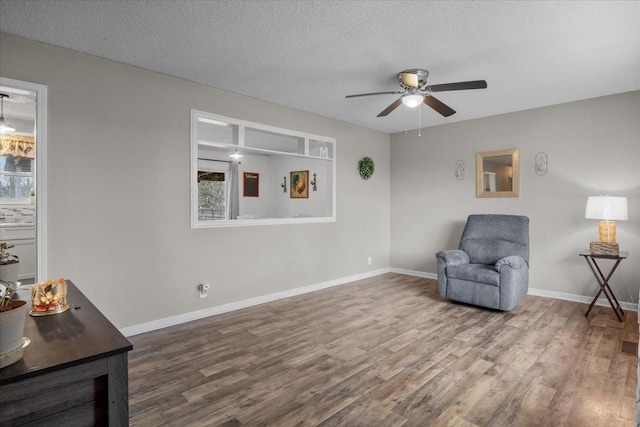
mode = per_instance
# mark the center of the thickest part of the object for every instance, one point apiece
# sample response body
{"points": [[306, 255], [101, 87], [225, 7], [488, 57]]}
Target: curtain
{"points": [[234, 192], [17, 146]]}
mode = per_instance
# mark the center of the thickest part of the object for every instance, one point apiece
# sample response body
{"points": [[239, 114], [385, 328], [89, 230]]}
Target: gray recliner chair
{"points": [[491, 266]]}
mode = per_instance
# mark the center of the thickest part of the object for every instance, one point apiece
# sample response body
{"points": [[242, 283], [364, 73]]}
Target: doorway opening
{"points": [[23, 187]]}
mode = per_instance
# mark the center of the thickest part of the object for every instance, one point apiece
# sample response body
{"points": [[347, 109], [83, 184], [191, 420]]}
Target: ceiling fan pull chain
{"points": [[404, 122], [419, 122]]}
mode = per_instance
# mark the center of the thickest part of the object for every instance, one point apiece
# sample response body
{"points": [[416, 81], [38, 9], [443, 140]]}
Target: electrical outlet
{"points": [[203, 289], [369, 261]]}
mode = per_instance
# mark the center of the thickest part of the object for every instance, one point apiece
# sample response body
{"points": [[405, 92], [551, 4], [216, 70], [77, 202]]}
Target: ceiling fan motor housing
{"points": [[415, 78]]}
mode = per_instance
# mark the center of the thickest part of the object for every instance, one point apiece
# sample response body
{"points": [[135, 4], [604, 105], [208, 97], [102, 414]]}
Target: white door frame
{"points": [[41, 170]]}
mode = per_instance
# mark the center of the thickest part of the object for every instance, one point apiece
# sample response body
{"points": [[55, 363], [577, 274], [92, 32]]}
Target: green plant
{"points": [[366, 167], [5, 256]]}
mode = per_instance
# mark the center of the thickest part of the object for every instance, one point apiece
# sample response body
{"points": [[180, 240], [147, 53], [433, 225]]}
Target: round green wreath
{"points": [[366, 167]]}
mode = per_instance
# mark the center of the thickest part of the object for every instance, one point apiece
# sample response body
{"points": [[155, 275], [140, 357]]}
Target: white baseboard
{"points": [[629, 306], [237, 305], [415, 273]]}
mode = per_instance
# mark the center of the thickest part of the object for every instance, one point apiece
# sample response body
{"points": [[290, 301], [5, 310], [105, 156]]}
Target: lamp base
{"points": [[602, 248], [607, 231]]}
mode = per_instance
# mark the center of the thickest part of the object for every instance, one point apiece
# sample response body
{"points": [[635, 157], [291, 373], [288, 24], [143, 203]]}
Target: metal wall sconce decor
{"points": [[284, 185], [459, 170], [313, 183], [542, 163]]}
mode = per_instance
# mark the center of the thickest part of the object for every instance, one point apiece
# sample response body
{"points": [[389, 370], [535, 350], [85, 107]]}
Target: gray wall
{"points": [[118, 177], [119, 190], [593, 148]]}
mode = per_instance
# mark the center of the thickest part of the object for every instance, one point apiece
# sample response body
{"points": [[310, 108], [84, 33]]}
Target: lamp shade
{"points": [[606, 208]]}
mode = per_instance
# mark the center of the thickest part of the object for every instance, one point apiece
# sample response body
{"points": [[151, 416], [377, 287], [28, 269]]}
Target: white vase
{"points": [[9, 272], [12, 326]]}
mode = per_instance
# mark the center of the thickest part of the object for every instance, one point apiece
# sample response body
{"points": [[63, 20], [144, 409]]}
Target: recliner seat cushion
{"points": [[474, 293], [480, 273]]}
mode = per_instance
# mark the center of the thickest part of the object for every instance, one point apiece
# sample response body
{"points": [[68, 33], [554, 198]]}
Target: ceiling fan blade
{"points": [[409, 79], [475, 84], [391, 107], [439, 106], [372, 93]]}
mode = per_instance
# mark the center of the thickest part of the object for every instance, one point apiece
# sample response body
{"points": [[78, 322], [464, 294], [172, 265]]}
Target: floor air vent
{"points": [[630, 348]]}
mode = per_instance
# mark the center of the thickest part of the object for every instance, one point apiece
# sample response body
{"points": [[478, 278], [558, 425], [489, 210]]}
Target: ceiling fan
{"points": [[415, 91]]}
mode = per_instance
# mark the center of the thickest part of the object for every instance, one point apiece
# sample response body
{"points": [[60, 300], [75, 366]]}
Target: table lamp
{"points": [[607, 209]]}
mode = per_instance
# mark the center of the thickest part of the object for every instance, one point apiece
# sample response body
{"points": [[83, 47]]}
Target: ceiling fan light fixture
{"points": [[412, 100]]}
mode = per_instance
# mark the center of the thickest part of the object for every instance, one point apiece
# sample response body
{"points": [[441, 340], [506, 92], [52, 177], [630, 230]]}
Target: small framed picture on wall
{"points": [[299, 185], [251, 184]]}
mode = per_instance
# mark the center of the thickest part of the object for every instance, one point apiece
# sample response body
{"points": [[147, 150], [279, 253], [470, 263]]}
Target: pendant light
{"points": [[4, 126], [235, 155]]}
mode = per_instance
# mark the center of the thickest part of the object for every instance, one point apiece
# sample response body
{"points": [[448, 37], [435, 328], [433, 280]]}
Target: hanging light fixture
{"points": [[4, 126], [412, 99], [235, 155]]}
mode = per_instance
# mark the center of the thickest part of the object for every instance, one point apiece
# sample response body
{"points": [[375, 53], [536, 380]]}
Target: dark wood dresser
{"points": [[73, 373]]}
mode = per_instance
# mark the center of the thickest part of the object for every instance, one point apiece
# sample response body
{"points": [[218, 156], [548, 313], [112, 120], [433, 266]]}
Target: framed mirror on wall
{"points": [[498, 173]]}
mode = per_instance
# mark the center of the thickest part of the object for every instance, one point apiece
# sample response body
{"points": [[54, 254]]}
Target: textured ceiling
{"points": [[310, 54]]}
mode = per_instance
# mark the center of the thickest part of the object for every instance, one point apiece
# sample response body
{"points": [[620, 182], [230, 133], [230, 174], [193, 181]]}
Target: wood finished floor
{"points": [[387, 351]]}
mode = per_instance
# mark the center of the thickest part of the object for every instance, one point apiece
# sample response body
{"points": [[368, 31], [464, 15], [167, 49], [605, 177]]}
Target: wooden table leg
{"points": [[604, 287]]}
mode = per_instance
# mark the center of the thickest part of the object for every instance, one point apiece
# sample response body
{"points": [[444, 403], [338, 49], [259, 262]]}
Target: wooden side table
{"points": [[603, 280], [74, 372]]}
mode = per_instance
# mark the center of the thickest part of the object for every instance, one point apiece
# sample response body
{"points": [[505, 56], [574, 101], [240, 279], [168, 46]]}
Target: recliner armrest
{"points": [[453, 257], [514, 261]]}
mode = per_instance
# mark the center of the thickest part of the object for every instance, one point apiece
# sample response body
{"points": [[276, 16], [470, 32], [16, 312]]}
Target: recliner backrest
{"points": [[488, 238]]}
